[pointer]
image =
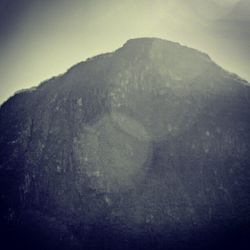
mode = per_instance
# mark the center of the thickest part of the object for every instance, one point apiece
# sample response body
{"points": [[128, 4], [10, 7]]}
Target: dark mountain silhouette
{"points": [[143, 148]]}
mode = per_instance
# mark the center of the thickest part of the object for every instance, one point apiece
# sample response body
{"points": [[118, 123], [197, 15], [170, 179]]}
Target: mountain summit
{"points": [[146, 147]]}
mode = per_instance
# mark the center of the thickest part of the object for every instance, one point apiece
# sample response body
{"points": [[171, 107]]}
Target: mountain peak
{"points": [[142, 144], [148, 41], [159, 44]]}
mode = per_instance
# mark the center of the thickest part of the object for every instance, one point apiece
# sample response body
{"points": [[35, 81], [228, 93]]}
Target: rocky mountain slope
{"points": [[143, 148]]}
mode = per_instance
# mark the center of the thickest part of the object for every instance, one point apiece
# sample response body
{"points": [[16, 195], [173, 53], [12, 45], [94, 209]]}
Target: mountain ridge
{"points": [[147, 40], [149, 143]]}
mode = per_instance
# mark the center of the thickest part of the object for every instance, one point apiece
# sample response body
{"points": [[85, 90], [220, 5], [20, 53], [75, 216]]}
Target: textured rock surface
{"points": [[145, 147]]}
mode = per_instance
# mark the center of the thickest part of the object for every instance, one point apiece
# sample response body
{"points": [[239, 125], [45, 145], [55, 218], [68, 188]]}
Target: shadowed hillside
{"points": [[143, 148]]}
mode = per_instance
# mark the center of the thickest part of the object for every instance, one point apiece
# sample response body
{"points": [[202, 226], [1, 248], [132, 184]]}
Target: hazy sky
{"points": [[43, 38]]}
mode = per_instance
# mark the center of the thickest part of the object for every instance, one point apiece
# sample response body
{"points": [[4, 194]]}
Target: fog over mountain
{"points": [[146, 147]]}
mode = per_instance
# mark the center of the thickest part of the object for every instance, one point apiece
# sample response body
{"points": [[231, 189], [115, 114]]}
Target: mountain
{"points": [[146, 147]]}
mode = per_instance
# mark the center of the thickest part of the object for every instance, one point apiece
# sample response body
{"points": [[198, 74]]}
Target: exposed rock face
{"points": [[146, 147]]}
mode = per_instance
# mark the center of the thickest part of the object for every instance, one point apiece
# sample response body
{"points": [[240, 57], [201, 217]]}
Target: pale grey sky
{"points": [[40, 39]]}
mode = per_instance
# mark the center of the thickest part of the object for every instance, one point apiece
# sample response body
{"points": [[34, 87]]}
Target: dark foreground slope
{"points": [[144, 148]]}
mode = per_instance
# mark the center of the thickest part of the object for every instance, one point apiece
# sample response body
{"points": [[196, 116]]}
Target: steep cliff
{"points": [[145, 147]]}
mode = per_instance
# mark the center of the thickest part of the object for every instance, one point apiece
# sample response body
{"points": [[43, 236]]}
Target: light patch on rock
{"points": [[79, 102], [117, 143]]}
